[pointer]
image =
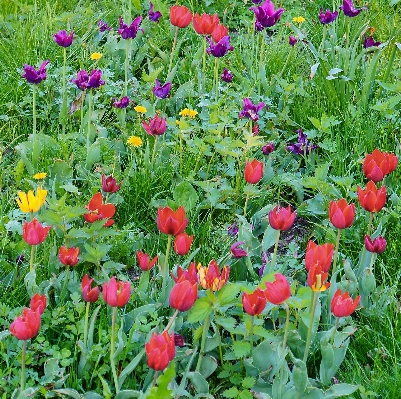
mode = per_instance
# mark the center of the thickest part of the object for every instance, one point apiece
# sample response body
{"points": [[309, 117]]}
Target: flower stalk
{"points": [[287, 323], [32, 258], [336, 251], [86, 324], [166, 268], [315, 296], [170, 323], [273, 261], [173, 49], [23, 357], [203, 342], [112, 344], [89, 124]]}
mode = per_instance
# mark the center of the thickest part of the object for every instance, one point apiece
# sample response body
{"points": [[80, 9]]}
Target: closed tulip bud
{"points": [[34, 233], [372, 199], [171, 222], [109, 184], [182, 243], [160, 350], [183, 295], [27, 325], [63, 39], [180, 16], [277, 291], [116, 293], [377, 246], [144, 261], [179, 340], [68, 256], [341, 214], [254, 303], [238, 252], [342, 305], [88, 293], [321, 255], [38, 303], [155, 126], [281, 218], [253, 171]]}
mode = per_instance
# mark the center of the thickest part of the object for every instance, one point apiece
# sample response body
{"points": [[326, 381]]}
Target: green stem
{"points": [[336, 251], [246, 200], [65, 284], [204, 57], [370, 222], [126, 68], [321, 48], [89, 124], [262, 50], [204, 335], [216, 76], [112, 341], [250, 268], [154, 150], [335, 329], [166, 269], [83, 94], [34, 113], [312, 316], [287, 323], [170, 323], [23, 356], [273, 261], [64, 93], [290, 54], [172, 50], [86, 324], [372, 261], [251, 332], [31, 260]]}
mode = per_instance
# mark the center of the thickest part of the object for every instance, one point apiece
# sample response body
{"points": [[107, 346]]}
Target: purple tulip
{"points": [[251, 110], [327, 17], [162, 91], [292, 41], [268, 148], [130, 32], [123, 103], [220, 48], [226, 76], [153, 15], [349, 10], [155, 126], [103, 27], [82, 80], [302, 146], [95, 79], [265, 15], [232, 230], [369, 42], [63, 39], [236, 252], [256, 1], [35, 76]]}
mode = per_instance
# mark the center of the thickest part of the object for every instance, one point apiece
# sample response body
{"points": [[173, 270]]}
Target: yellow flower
{"points": [[96, 56], [140, 109], [29, 202], [40, 176], [188, 112], [135, 141], [298, 20]]}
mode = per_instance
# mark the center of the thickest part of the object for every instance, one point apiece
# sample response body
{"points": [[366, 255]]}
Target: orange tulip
{"points": [[321, 255], [205, 23]]}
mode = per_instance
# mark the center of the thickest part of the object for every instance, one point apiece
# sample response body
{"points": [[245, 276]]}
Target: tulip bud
{"points": [[182, 243], [378, 245]]}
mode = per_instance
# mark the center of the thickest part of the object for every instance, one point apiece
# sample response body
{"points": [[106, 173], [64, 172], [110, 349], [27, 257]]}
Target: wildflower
{"points": [[182, 243], [135, 141], [40, 175], [292, 40], [236, 252], [28, 202], [153, 15], [98, 210], [129, 32], [268, 148], [140, 109], [88, 293], [96, 56], [180, 16], [372, 199], [302, 146], [298, 20], [277, 291], [327, 17], [211, 278], [219, 32], [68, 256], [161, 91], [226, 76], [341, 214], [204, 24], [188, 112], [349, 10], [281, 218], [160, 350], [253, 171], [103, 27], [109, 184], [63, 39], [171, 222], [377, 246], [116, 293], [155, 126], [265, 15], [144, 261], [34, 233], [35, 76], [254, 303], [342, 305], [27, 325], [123, 103], [251, 110], [369, 42]]}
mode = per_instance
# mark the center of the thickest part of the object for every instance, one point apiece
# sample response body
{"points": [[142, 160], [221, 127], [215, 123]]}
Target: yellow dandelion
{"points": [[134, 141], [177, 122], [192, 113], [96, 56], [188, 112], [40, 176], [298, 20], [184, 112], [140, 109]]}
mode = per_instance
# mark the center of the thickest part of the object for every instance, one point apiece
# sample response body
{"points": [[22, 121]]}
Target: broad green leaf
{"points": [[248, 382], [231, 393], [340, 390], [199, 382], [241, 349], [128, 394], [228, 293], [201, 309], [184, 194], [130, 367]]}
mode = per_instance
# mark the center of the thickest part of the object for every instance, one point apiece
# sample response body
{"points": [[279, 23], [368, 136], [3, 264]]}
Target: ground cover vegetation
{"points": [[200, 199]]}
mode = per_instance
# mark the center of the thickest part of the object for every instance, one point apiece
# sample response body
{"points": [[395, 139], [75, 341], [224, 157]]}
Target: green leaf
{"points": [[299, 376], [128, 394], [162, 389], [201, 309], [266, 357], [241, 349], [184, 194], [92, 327], [231, 393], [228, 293], [208, 366], [227, 322], [339, 390], [4, 334], [245, 395], [199, 382], [92, 395], [72, 393], [248, 382], [130, 367]]}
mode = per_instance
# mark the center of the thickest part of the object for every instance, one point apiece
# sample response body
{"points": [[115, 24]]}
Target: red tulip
{"points": [[180, 16], [377, 246], [98, 210], [38, 303], [190, 274], [281, 218], [88, 293], [109, 184], [379, 164], [317, 277], [170, 222], [372, 199], [116, 293], [211, 278], [27, 325], [341, 214], [155, 126], [182, 243], [236, 252], [219, 32], [160, 350], [205, 23], [277, 291], [254, 303], [144, 261], [253, 171], [68, 256], [183, 295], [321, 255], [34, 233], [342, 305]]}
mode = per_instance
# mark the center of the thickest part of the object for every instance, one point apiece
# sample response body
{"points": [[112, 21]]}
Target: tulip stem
{"points": [[113, 366], [336, 251], [335, 330], [31, 260], [273, 261], [86, 324], [204, 335], [372, 261], [216, 76], [173, 49], [246, 199], [126, 68], [64, 93], [250, 267], [166, 268], [170, 323], [89, 126], [62, 295], [23, 366], [34, 150], [370, 222], [315, 297], [287, 323], [83, 94], [154, 150], [251, 331], [204, 59]]}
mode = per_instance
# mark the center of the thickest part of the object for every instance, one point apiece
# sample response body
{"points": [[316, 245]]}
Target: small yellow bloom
{"points": [[298, 20], [188, 112], [40, 176], [135, 141], [28, 202], [140, 109], [96, 56]]}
